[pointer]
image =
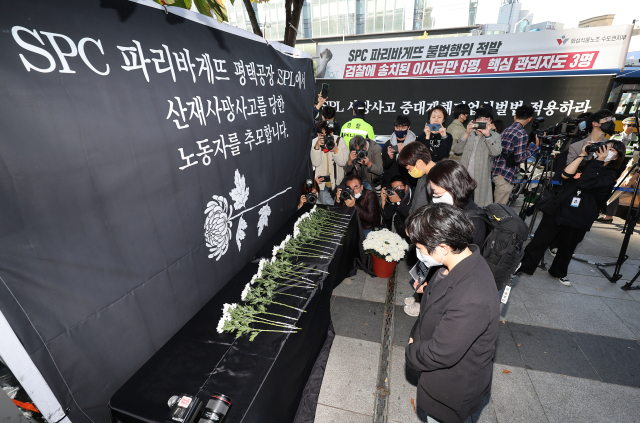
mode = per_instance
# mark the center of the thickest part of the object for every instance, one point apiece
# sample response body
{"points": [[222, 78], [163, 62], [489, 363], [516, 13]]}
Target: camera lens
{"points": [[216, 409]]}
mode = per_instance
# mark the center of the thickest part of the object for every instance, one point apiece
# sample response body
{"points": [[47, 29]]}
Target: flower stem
{"points": [[295, 308]]}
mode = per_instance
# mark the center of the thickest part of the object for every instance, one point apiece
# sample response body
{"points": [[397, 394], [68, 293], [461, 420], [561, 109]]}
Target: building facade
{"points": [[321, 18]]}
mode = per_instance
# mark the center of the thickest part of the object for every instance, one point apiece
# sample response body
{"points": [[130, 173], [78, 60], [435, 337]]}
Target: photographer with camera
{"points": [[478, 147], [457, 128], [450, 183], [310, 193], [453, 342], [599, 124], [365, 160], [435, 136], [416, 158], [579, 202], [515, 150], [364, 200], [396, 202], [401, 136], [328, 157]]}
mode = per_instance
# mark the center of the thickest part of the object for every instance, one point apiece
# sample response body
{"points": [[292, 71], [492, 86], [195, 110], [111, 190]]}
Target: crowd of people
{"points": [[429, 187]]}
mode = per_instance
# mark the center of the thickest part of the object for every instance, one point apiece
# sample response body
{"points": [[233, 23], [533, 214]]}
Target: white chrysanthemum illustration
{"points": [[217, 226], [242, 225], [264, 213], [239, 194]]}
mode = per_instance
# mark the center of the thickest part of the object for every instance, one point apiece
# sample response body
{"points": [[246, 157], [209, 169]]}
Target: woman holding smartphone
{"points": [[435, 137]]}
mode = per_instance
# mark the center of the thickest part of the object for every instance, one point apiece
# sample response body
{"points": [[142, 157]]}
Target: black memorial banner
{"points": [[145, 158], [552, 97]]}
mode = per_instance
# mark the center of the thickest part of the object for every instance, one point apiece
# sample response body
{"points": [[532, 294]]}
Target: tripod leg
{"points": [[627, 286]]}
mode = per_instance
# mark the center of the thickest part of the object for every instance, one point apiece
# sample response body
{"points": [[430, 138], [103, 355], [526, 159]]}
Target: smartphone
{"points": [[419, 272], [434, 127], [394, 148], [325, 91], [326, 178], [479, 125]]}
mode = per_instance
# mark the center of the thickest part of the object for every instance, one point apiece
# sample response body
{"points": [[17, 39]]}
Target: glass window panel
{"points": [[398, 20], [380, 5], [333, 8], [333, 27], [316, 28], [379, 22], [325, 26], [369, 29], [316, 11], [371, 6], [388, 21], [324, 9], [342, 7]]}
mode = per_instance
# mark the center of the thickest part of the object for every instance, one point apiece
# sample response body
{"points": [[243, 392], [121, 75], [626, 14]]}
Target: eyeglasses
{"points": [[609, 118]]}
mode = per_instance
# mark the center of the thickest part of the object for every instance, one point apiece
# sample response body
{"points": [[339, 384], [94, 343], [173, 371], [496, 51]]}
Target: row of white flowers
{"points": [[386, 245]]}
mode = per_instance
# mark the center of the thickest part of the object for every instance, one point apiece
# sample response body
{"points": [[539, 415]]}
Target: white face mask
{"points": [[445, 198], [356, 196], [427, 260], [609, 156]]}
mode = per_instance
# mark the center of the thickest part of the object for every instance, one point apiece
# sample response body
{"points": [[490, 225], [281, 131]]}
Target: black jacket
{"points": [[454, 340], [595, 186], [438, 146], [368, 209], [402, 210], [391, 167]]}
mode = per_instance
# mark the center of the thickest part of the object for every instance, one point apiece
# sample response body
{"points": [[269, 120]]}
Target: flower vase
{"points": [[383, 268]]}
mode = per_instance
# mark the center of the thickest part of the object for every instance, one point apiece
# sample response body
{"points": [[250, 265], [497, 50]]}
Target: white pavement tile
{"points": [[598, 286], [375, 289], [573, 312], [326, 414], [350, 287], [350, 378], [627, 311], [514, 310], [402, 389], [568, 399], [514, 398]]}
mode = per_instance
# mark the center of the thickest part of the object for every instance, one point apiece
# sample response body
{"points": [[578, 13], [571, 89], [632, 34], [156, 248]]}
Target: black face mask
{"points": [[401, 193], [609, 127]]}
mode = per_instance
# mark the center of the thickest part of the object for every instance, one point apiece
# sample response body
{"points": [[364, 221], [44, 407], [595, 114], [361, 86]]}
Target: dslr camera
{"points": [[390, 191], [593, 148], [361, 155], [346, 194], [329, 142], [311, 197], [192, 409]]}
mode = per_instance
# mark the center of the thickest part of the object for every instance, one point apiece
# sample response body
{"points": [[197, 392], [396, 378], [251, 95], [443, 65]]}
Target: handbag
{"points": [[549, 201]]}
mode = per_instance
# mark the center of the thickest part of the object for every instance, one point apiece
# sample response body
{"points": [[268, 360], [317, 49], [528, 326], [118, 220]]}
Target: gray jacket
{"points": [[478, 152], [374, 152]]}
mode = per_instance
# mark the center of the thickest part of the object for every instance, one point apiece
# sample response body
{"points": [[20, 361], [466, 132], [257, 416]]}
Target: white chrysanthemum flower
{"points": [[276, 249], [221, 323], [245, 291], [261, 265], [296, 232], [253, 279]]}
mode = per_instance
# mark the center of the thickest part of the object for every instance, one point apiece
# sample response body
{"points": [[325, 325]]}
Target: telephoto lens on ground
{"points": [[216, 409]]}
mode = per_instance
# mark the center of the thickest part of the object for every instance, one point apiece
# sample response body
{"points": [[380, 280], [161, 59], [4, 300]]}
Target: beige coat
{"points": [[482, 149], [457, 130], [319, 161]]}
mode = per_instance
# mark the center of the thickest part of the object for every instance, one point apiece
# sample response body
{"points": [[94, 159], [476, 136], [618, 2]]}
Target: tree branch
{"points": [[252, 17]]}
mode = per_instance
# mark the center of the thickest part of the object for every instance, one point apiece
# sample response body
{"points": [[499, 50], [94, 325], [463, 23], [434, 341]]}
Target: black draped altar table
{"points": [[264, 378]]}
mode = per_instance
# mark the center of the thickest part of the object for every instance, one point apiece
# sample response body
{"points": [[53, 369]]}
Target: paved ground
{"points": [[564, 354]]}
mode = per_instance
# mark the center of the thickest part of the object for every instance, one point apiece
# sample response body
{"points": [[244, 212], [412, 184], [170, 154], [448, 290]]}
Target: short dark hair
{"points": [[357, 141], [442, 109], [596, 116], [436, 224], [352, 177], [525, 111], [320, 125], [484, 112], [328, 112], [402, 120], [460, 109], [621, 150], [455, 179], [399, 178], [413, 152]]}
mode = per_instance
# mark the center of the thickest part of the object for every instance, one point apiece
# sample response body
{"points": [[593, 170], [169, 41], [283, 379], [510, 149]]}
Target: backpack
{"points": [[503, 246]]}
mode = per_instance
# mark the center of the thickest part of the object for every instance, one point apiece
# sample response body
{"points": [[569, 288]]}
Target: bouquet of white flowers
{"points": [[385, 245]]}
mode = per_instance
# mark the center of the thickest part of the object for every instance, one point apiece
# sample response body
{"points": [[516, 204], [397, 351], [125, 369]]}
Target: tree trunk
{"points": [[293, 18], [252, 17]]}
